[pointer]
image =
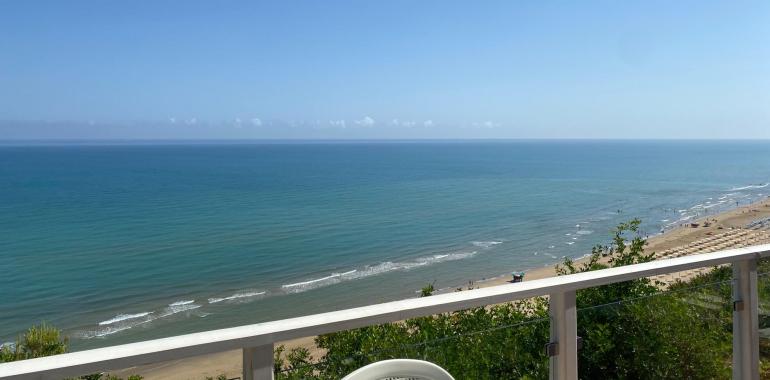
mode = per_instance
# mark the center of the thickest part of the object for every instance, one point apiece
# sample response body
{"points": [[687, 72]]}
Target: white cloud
{"points": [[237, 122], [487, 124], [408, 123], [394, 122], [337, 123], [365, 122], [427, 123], [172, 120], [192, 121], [256, 122]]}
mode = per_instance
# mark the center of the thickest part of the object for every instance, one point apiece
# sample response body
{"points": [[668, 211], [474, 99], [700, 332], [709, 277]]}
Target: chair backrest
{"points": [[400, 369]]}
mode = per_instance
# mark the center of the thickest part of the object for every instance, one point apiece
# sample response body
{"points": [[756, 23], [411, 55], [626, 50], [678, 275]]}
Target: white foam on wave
{"points": [[311, 284], [173, 309], [373, 270], [584, 232], [238, 296], [180, 303], [124, 317], [749, 187], [123, 322], [486, 244]]}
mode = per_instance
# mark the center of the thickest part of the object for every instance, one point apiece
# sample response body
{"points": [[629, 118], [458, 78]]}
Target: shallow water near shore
{"points": [[119, 243]]}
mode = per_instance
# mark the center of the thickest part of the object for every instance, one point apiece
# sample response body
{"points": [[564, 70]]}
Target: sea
{"points": [[115, 242]]}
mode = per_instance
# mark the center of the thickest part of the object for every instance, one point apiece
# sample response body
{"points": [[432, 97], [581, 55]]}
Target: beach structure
{"points": [[256, 342]]}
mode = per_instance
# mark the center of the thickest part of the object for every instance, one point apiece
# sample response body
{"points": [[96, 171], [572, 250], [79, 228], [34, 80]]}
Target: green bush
{"points": [[45, 340], [38, 341], [630, 330]]}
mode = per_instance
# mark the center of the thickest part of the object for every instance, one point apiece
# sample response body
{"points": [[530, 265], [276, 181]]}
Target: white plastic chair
{"points": [[400, 369]]}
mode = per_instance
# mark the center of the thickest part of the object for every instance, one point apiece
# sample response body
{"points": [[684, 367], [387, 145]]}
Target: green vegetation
{"points": [[428, 290], [46, 340], [37, 341], [630, 330]]}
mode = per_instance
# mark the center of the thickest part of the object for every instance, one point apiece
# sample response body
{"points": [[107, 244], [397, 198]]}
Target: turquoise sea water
{"points": [[117, 243]]}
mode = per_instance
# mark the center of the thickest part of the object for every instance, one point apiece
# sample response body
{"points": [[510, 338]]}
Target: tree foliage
{"points": [[45, 340], [38, 341], [630, 330]]}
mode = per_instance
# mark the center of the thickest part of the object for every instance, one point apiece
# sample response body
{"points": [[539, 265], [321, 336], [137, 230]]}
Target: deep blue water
{"points": [[117, 243]]}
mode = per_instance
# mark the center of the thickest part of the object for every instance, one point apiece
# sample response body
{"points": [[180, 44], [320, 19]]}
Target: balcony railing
{"points": [[257, 340]]}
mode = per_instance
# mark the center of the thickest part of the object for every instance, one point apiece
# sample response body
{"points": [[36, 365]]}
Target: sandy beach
{"points": [[740, 227]]}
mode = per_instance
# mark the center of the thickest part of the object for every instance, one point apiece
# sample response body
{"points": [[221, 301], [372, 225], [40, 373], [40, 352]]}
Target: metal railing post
{"points": [[745, 320], [258, 363], [563, 346]]}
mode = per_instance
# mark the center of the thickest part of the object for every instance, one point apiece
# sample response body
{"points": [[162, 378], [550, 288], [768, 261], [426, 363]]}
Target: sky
{"points": [[395, 69]]}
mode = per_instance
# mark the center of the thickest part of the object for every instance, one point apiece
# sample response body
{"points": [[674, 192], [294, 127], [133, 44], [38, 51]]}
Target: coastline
{"points": [[727, 222], [723, 231]]}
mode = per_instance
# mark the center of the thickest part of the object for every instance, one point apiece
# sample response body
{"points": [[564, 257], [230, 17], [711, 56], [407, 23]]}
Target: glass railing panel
{"points": [[677, 327], [496, 342], [763, 288]]}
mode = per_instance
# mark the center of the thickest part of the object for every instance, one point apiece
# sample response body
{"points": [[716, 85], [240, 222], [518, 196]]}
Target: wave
{"points": [[318, 282], [486, 244], [373, 270], [237, 296], [584, 232], [749, 187], [180, 303], [171, 309], [124, 317], [123, 322]]}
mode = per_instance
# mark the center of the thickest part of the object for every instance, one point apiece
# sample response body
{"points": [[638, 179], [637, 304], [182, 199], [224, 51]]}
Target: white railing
{"points": [[257, 340]]}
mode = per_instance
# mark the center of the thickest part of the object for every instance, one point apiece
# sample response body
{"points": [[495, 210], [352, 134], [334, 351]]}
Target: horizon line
{"points": [[141, 141]]}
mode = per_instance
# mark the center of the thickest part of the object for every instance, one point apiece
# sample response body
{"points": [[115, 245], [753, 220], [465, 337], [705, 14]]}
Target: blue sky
{"points": [[385, 69]]}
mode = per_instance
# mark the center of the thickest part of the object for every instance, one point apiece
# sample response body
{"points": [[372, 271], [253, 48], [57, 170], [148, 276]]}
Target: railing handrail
{"points": [[260, 334]]}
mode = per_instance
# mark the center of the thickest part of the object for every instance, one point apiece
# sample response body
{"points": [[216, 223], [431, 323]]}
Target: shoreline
{"points": [[724, 230], [731, 220]]}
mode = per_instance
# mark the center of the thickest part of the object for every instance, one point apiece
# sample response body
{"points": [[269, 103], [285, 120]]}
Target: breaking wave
{"points": [[122, 322], [373, 270], [124, 317], [749, 187], [486, 244], [237, 296]]}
